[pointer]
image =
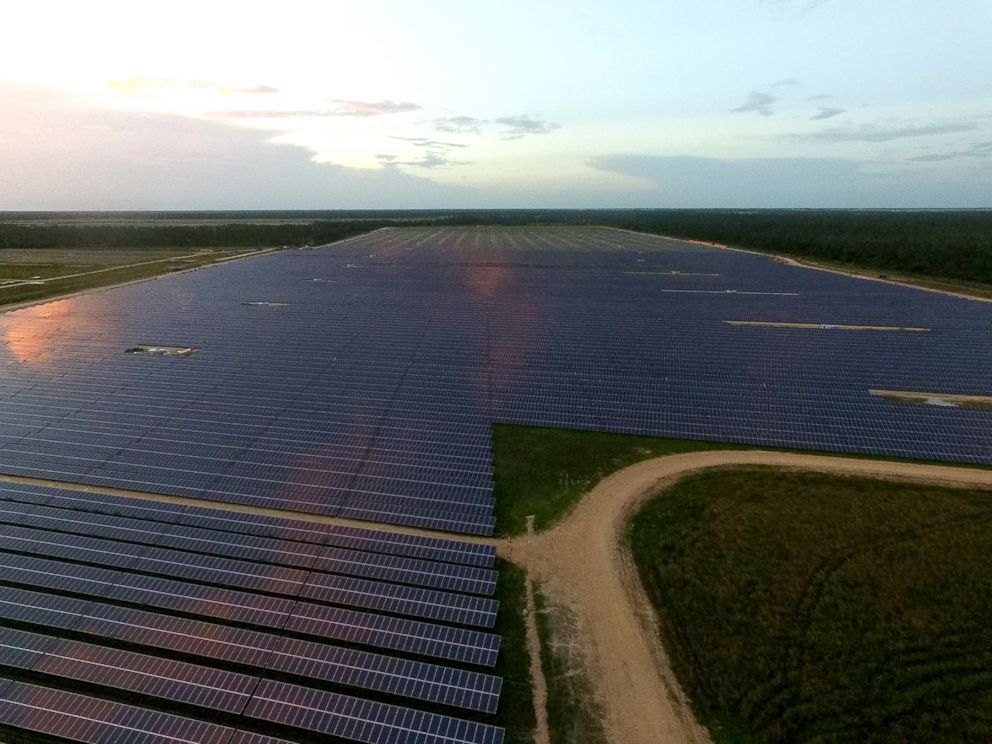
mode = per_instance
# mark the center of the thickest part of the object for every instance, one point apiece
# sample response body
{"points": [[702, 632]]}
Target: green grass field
{"points": [[70, 270], [516, 706], [572, 712], [803, 607], [545, 472]]}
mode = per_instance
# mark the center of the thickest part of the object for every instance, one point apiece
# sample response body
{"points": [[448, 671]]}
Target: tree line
{"points": [[941, 244]]}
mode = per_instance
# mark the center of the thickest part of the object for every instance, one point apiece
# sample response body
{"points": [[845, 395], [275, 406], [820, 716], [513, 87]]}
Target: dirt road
{"points": [[582, 562]]}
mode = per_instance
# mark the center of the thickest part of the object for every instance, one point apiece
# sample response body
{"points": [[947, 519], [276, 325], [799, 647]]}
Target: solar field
{"points": [[360, 380]]}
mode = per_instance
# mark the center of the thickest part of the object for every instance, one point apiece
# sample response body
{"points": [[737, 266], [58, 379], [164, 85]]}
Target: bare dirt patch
{"points": [[825, 326], [952, 400]]}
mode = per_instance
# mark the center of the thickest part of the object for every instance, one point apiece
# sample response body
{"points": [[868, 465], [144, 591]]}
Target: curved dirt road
{"points": [[582, 563]]}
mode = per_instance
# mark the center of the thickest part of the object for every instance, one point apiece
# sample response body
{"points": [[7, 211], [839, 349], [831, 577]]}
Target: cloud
{"points": [[341, 108], [819, 97], [786, 83], [978, 150], [258, 89], [367, 108], [758, 102], [878, 133], [523, 125], [56, 155], [827, 112], [512, 127], [140, 84], [459, 124], [270, 113], [430, 160], [680, 181], [435, 155], [425, 142]]}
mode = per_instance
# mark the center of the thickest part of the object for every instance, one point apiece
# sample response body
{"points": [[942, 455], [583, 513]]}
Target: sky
{"points": [[388, 104]]}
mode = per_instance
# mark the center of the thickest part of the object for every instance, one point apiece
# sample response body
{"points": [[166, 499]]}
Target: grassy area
{"points": [[516, 707], [918, 279], [545, 472], [573, 714], [805, 607], [65, 271]]}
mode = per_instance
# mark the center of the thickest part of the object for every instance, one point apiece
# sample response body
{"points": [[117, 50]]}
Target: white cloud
{"points": [[54, 155]]}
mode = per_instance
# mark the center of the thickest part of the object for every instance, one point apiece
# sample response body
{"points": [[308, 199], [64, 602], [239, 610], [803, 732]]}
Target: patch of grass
{"points": [[806, 607], [516, 706], [99, 275], [545, 472], [573, 714]]}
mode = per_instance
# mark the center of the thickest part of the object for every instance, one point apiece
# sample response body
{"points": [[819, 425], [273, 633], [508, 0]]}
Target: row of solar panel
{"points": [[341, 397], [266, 496], [302, 467], [266, 578], [466, 412], [262, 611], [342, 446], [363, 492], [82, 718], [355, 538], [262, 550], [439, 519], [256, 651]]}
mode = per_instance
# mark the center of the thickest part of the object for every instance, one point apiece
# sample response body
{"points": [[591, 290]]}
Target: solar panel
{"points": [[362, 720], [401, 600], [80, 718], [317, 621], [247, 737], [45, 610], [197, 599], [213, 689], [415, 546], [307, 659], [400, 677], [194, 638], [407, 571], [22, 650], [66, 507], [33, 572], [271, 550], [398, 634]]}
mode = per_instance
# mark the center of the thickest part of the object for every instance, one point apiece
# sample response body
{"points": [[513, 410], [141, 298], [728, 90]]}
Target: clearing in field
{"points": [[34, 273], [951, 400], [826, 326]]}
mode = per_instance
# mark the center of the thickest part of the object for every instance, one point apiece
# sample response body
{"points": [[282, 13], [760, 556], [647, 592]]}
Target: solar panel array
{"points": [[90, 601], [369, 394], [360, 380]]}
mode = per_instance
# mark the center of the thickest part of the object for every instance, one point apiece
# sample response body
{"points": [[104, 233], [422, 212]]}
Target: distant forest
{"points": [[953, 245]]}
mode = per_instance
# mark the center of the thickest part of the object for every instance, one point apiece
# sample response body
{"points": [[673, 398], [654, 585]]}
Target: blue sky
{"points": [[388, 104]]}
